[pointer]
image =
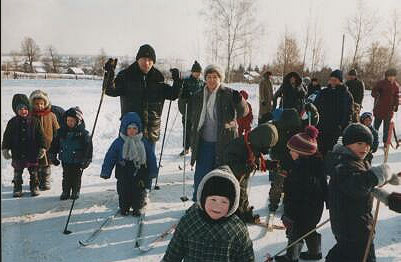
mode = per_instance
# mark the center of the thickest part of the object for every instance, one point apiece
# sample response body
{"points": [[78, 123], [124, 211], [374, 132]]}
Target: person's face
{"points": [[132, 131], [145, 64], [391, 79], [71, 121], [217, 206], [334, 81], [23, 112], [314, 83], [294, 155], [212, 81], [196, 75], [39, 104], [361, 149], [367, 121]]}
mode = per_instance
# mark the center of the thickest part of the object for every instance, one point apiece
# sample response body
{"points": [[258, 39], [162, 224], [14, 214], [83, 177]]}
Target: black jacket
{"points": [[335, 109], [357, 89], [350, 197], [291, 97], [143, 94]]}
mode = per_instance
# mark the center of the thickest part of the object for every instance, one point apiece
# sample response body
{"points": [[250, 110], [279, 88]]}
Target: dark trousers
{"points": [[205, 163], [72, 176], [33, 176], [187, 133], [377, 123], [131, 191], [350, 252]]}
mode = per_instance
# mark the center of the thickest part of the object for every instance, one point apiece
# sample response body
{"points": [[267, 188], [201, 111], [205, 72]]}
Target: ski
{"points": [[93, 236], [141, 221], [151, 244], [270, 220], [272, 226]]}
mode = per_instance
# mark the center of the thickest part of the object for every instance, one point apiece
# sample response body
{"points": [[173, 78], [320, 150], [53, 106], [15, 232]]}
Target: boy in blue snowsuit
{"points": [[135, 164]]}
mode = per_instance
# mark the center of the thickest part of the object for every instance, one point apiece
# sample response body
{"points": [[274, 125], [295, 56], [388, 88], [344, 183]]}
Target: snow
{"points": [[31, 228]]}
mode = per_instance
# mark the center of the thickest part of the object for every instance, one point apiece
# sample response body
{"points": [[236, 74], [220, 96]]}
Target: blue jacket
{"points": [[114, 154]]}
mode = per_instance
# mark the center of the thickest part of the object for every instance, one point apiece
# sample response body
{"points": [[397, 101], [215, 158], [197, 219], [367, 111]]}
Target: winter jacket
{"points": [[313, 89], [357, 90], [114, 156], [59, 112], [199, 238], [244, 123], [265, 96], [74, 146], [291, 97], [386, 99], [350, 198], [335, 109], [190, 87], [24, 137], [305, 190], [144, 94], [227, 112]]}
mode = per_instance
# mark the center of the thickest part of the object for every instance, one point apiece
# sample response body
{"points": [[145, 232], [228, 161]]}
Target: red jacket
{"points": [[244, 123], [386, 99]]}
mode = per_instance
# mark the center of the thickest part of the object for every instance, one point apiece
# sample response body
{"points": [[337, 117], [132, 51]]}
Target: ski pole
{"points": [[184, 195], [66, 231], [270, 257], [164, 139]]}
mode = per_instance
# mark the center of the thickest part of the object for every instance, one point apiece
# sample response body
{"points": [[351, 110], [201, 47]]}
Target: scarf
{"points": [[41, 112], [134, 149], [209, 100]]}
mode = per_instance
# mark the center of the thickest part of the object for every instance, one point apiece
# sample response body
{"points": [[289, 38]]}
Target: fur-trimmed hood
{"points": [[42, 95], [224, 172]]}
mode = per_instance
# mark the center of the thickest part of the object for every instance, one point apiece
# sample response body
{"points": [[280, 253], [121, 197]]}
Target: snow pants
{"points": [[350, 252], [33, 179], [131, 190], [72, 177], [205, 163]]}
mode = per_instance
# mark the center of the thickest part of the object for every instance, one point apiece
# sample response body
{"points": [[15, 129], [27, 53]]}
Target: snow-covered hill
{"points": [[31, 228]]}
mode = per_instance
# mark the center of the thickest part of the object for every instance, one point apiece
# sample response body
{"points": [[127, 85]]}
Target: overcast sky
{"points": [[173, 27]]}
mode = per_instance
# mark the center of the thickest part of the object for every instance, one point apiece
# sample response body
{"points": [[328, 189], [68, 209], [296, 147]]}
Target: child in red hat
{"points": [[244, 123]]}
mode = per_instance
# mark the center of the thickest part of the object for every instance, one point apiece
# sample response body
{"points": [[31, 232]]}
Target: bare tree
{"points": [[231, 22], [376, 64], [394, 38], [287, 56], [72, 61], [54, 58], [100, 60], [31, 50], [359, 27], [317, 53], [307, 39]]}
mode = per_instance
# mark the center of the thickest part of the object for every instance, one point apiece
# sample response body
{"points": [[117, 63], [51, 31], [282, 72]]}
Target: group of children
{"points": [[210, 230]]}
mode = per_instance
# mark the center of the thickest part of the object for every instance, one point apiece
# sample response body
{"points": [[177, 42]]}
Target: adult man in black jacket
{"points": [[357, 89], [141, 89]]}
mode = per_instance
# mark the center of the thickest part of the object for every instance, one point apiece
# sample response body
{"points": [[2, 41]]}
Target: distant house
{"points": [[38, 67], [251, 76], [75, 71]]}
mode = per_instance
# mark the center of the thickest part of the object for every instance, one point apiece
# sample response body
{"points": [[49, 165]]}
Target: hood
{"points": [[286, 80], [289, 120], [335, 156], [224, 172], [129, 118], [42, 95], [263, 137], [19, 99]]}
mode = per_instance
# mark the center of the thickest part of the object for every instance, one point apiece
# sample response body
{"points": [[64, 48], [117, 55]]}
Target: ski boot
{"points": [[76, 187], [292, 254], [65, 184], [313, 242], [17, 181]]}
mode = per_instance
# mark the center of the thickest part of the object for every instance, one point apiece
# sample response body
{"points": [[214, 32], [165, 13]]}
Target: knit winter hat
{"points": [[75, 112], [263, 137], [390, 72], [219, 182], [146, 51], [357, 132], [244, 94], [214, 69], [18, 100], [39, 94], [196, 67], [365, 116], [337, 74], [304, 143], [352, 72]]}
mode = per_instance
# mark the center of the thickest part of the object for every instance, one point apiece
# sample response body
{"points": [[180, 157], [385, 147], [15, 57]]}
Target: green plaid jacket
{"points": [[198, 238]]}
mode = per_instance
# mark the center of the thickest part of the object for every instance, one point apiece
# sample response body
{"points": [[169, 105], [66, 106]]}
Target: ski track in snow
{"points": [[31, 228]]}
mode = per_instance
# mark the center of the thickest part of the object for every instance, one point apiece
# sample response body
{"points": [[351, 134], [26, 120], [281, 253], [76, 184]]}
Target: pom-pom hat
{"points": [[304, 143]]}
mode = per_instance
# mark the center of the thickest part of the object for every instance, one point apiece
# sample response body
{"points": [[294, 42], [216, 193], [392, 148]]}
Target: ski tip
{"points": [[82, 243]]}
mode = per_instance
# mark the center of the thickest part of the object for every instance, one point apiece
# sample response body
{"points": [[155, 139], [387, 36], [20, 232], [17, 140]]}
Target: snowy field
{"points": [[31, 228]]}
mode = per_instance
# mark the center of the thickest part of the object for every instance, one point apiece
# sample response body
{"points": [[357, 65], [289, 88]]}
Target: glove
{"points": [[42, 153], [382, 173], [394, 202], [55, 161], [6, 153], [272, 165], [175, 74], [85, 164], [236, 97], [381, 195]]}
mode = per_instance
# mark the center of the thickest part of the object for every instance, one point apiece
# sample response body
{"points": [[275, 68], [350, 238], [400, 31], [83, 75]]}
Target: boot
{"points": [[313, 242], [44, 178], [292, 254], [34, 184], [66, 187], [17, 181], [76, 187]]}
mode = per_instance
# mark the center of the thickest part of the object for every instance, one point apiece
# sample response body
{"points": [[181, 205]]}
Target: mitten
{"points": [[395, 179], [394, 202], [382, 173], [42, 153], [6, 153], [55, 161], [381, 195]]}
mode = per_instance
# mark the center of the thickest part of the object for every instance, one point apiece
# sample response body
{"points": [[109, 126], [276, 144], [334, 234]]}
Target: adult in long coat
{"points": [[265, 96], [292, 92], [386, 94]]}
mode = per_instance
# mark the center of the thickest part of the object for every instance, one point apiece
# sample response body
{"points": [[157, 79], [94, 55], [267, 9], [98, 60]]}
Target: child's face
{"points": [[367, 121], [71, 122], [217, 206], [23, 112], [361, 149], [39, 104], [132, 131], [294, 155]]}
